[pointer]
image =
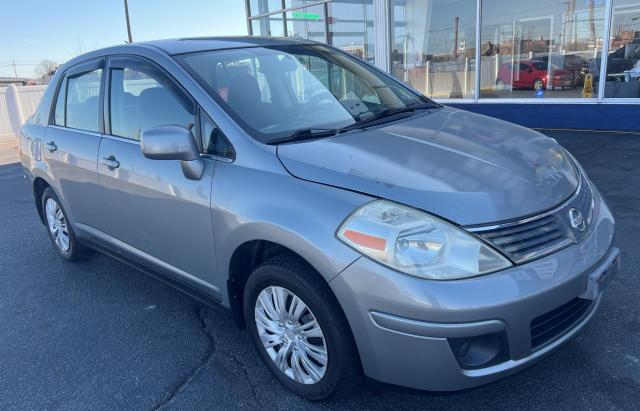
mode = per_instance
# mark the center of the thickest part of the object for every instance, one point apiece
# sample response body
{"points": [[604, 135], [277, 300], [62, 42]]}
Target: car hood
{"points": [[465, 167]]}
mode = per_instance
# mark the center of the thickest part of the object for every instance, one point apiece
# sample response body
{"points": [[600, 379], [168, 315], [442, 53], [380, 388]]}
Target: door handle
{"points": [[51, 146], [111, 162]]}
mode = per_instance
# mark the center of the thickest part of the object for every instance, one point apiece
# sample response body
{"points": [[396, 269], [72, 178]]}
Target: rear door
{"points": [[150, 210], [72, 139]]}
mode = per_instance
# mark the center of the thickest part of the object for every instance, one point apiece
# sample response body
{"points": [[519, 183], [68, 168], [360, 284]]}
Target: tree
{"points": [[45, 68]]}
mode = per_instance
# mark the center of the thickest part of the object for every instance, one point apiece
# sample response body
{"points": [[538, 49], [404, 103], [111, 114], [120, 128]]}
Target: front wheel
{"points": [[299, 330]]}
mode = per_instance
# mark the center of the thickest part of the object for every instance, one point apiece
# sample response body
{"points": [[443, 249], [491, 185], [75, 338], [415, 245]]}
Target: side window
{"points": [[83, 101], [58, 118], [144, 97], [213, 141]]}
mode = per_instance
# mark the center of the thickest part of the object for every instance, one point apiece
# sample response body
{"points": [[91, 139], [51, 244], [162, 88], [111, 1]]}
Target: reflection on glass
{"points": [[623, 61], [264, 6], [433, 46], [306, 23], [351, 27], [271, 26], [542, 49]]}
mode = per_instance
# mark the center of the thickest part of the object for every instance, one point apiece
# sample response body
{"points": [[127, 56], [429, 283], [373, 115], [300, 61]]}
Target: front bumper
{"points": [[408, 329]]}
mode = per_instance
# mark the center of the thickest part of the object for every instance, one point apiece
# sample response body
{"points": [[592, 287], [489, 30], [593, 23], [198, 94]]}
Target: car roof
{"points": [[196, 44], [187, 45]]}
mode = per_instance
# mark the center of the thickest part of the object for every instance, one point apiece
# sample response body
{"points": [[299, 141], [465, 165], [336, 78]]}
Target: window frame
{"points": [[74, 71], [203, 116]]}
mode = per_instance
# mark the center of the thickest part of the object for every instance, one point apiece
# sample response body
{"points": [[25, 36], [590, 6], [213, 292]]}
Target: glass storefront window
{"points": [[541, 49], [528, 50], [351, 27], [433, 46], [307, 23], [271, 26], [296, 3], [264, 6], [623, 62]]}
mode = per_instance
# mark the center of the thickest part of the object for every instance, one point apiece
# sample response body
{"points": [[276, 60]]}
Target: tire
{"points": [[500, 84], [538, 84], [343, 370], [59, 229]]}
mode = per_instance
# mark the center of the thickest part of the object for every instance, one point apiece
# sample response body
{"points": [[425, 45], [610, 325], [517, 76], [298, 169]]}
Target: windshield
{"points": [[272, 92]]}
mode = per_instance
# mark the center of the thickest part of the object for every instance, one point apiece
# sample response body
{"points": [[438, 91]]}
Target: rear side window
{"points": [[82, 96], [142, 98]]}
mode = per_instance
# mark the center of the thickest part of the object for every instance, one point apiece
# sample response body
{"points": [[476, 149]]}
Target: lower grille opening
{"points": [[550, 326]]}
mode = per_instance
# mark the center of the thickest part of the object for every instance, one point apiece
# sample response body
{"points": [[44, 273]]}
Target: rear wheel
{"points": [[500, 84], [299, 330], [59, 228]]}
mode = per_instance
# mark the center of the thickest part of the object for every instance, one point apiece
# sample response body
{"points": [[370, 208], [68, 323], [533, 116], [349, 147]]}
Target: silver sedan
{"points": [[353, 226]]}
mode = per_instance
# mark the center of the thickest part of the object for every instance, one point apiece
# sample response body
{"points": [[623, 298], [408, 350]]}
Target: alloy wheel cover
{"points": [[291, 335], [57, 224]]}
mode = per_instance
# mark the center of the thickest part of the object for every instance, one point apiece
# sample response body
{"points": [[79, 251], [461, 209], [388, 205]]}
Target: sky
{"points": [[58, 30]]}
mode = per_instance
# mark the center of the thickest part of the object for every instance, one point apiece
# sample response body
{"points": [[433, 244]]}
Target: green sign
{"points": [[308, 16]]}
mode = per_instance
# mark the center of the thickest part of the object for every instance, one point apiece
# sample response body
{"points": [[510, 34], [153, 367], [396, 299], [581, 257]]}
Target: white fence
{"points": [[16, 105]]}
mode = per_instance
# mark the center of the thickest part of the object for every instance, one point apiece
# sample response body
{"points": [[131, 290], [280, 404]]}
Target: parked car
{"points": [[352, 225], [533, 74], [622, 59], [578, 66]]}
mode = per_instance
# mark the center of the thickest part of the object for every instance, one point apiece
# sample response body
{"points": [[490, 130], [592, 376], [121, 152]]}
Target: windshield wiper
{"points": [[388, 112], [315, 132], [305, 134]]}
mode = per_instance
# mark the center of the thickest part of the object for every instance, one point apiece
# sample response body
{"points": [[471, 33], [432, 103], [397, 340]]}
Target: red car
{"points": [[533, 74]]}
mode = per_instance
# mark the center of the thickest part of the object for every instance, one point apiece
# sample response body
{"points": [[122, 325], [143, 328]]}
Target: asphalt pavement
{"points": [[99, 335]]}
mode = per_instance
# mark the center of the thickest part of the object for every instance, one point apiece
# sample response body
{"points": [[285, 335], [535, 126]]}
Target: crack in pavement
{"points": [[208, 358], [246, 375]]}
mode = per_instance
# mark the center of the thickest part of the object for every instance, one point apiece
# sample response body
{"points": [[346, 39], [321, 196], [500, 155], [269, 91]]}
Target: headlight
{"points": [[417, 243]]}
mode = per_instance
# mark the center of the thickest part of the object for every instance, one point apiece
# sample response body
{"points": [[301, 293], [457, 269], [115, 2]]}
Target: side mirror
{"points": [[173, 143]]}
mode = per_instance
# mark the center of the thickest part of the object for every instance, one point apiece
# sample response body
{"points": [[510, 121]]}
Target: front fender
{"points": [[250, 204]]}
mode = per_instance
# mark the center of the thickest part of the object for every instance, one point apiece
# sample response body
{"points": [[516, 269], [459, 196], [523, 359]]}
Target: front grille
{"points": [[540, 235], [532, 238], [555, 323]]}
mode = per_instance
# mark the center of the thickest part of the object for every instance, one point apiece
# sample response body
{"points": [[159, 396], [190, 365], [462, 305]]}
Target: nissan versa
{"points": [[352, 225]]}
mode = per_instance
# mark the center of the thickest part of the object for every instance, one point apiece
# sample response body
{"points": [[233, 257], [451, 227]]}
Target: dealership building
{"points": [[543, 63]]}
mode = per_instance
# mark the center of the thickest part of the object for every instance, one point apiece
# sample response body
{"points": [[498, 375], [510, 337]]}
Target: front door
{"points": [[149, 209]]}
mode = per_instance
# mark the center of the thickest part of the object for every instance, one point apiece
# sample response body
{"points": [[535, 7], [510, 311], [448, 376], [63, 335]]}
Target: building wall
{"points": [[606, 117]]}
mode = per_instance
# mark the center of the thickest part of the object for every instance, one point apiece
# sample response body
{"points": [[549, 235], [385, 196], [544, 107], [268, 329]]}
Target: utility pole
{"points": [[592, 21], [126, 14], [15, 72]]}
